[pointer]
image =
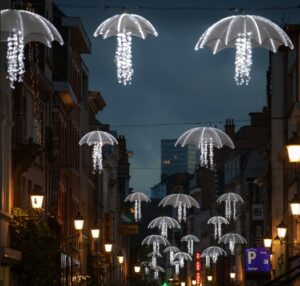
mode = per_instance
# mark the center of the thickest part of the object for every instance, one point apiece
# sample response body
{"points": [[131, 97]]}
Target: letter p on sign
{"points": [[251, 256]]}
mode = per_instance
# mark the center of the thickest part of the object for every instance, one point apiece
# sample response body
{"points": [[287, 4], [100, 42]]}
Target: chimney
{"points": [[230, 128]]}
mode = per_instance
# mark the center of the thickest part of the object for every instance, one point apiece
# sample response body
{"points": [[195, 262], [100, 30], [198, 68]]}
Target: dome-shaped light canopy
{"points": [[205, 139], [19, 27], [98, 139], [244, 32], [124, 26]]}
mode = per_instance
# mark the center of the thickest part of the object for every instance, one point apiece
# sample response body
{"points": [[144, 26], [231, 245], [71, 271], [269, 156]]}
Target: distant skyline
{"points": [[172, 83]]}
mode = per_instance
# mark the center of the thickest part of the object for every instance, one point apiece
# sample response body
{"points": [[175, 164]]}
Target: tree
{"points": [[38, 239]]}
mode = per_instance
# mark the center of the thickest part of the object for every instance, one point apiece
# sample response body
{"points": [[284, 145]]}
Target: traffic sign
{"points": [[257, 260]]}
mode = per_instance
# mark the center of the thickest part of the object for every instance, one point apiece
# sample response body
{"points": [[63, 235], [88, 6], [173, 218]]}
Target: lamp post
{"points": [[78, 224], [120, 257], [108, 249], [232, 277], [209, 278]]}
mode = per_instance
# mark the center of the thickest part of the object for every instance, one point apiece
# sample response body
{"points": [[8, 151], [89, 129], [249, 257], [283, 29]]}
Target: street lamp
{"points": [[295, 205], [137, 269], [182, 283], [108, 247], [95, 233], [194, 282], [232, 275], [267, 242], [293, 148], [209, 278], [37, 199], [78, 221], [281, 230]]}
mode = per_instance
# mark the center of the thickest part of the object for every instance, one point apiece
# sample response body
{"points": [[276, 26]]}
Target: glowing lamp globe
{"points": [[281, 230], [95, 233], [108, 247], [120, 257], [232, 275], [194, 282], [137, 269], [209, 278], [182, 283], [78, 221], [37, 201], [267, 242], [293, 148], [295, 205]]}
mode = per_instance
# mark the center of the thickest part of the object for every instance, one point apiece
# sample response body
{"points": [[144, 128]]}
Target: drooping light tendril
{"points": [[123, 58], [15, 57], [243, 58]]}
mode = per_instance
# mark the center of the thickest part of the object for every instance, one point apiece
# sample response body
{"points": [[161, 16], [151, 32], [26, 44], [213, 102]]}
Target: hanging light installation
{"points": [[172, 250], [97, 139], [182, 256], [156, 270], [125, 26], [177, 267], [137, 198], [217, 221], [205, 139], [163, 223], [19, 27], [230, 199], [190, 239], [146, 266], [155, 240], [232, 239], [180, 201], [243, 32], [212, 252]]}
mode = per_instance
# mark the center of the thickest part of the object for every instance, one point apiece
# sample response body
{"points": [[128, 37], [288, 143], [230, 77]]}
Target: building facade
{"points": [[42, 122], [177, 159]]}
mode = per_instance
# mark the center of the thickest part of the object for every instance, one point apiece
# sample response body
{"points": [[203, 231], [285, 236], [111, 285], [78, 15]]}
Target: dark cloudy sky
{"points": [[172, 83]]}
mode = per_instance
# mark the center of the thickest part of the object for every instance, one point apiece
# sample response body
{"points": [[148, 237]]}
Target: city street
{"points": [[149, 143]]}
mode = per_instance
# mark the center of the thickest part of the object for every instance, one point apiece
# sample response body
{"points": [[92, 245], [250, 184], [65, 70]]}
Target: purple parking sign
{"points": [[257, 260]]}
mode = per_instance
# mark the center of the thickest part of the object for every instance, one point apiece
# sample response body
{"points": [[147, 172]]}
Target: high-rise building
{"points": [[177, 159]]}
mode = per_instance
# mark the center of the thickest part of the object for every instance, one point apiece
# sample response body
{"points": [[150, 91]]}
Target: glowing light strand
{"points": [[177, 268], [136, 210], [154, 261], [171, 257], [123, 58], [180, 211], [184, 212], [207, 153], [243, 58], [97, 158], [15, 57], [164, 230]]}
